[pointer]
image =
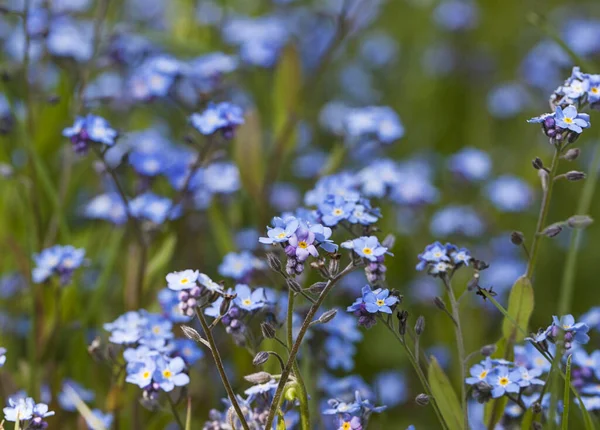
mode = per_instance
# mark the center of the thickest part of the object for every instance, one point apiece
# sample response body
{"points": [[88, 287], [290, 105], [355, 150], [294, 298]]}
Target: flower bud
{"points": [[543, 178], [261, 358], [293, 285], [327, 316], [224, 308], [575, 175], [536, 408], [517, 238], [439, 303], [317, 287], [552, 230], [420, 325], [422, 399], [268, 331], [334, 266], [537, 163], [191, 333], [488, 350], [274, 262], [579, 221], [571, 154], [402, 317], [258, 377]]}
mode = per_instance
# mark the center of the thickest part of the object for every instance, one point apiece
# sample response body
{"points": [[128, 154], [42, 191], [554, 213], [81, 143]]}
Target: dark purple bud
{"points": [[549, 122], [517, 238], [235, 312], [183, 296], [575, 175]]}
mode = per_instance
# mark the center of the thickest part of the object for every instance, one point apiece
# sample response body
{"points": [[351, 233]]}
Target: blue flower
{"points": [[471, 164], [456, 15], [238, 265], [265, 388], [505, 381], [339, 353], [224, 117], [151, 207], [302, 244], [594, 90], [90, 129], [336, 407], [453, 220], [247, 299], [2, 356], [108, 207], [571, 120], [169, 303], [281, 231], [188, 350], [65, 400], [140, 373], [57, 260], [343, 326], [99, 420], [381, 122], [19, 409], [169, 373], [366, 247], [576, 332], [335, 210], [183, 280], [392, 388], [361, 215], [530, 377], [509, 194], [380, 302], [480, 372]]}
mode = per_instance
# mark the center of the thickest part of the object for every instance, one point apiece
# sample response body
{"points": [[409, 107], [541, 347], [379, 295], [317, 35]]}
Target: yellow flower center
{"points": [[504, 381], [156, 329], [247, 302], [483, 374], [146, 375], [281, 235], [566, 326], [338, 211], [184, 281], [346, 425], [167, 373], [380, 302], [595, 90], [568, 120], [302, 244], [367, 251]]}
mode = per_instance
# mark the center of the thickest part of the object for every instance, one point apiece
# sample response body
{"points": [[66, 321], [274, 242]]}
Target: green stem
{"points": [[585, 202], [547, 196], [219, 363], [418, 371], [460, 344], [304, 407], [175, 413]]}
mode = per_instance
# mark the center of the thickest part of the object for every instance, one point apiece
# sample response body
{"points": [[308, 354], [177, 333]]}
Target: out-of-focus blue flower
{"points": [[100, 420], [57, 260], [224, 117], [70, 38], [455, 15], [503, 273], [239, 265], [504, 381], [207, 70], [380, 122], [151, 207], [169, 303], [509, 194], [188, 350], [471, 164], [247, 299], [582, 36], [88, 129], [20, 409], [2, 356], [284, 196], [154, 77], [339, 353], [453, 220], [439, 59], [592, 317], [11, 284], [366, 247], [221, 178], [530, 377], [267, 387], [343, 326], [507, 100], [391, 388], [64, 399], [378, 50], [108, 207], [542, 66]]}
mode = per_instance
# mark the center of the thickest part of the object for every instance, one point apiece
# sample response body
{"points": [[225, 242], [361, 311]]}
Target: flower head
{"points": [[366, 247]]}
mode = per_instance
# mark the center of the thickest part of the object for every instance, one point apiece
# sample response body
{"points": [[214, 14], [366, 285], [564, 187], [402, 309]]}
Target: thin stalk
{"points": [[418, 371], [219, 363], [460, 344], [296, 346], [304, 407], [175, 413], [544, 208], [568, 281]]}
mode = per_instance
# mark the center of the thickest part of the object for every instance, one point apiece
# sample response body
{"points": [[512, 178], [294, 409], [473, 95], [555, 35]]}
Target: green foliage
{"points": [[520, 308], [444, 395]]}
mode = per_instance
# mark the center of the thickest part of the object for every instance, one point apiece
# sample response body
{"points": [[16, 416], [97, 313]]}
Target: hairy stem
{"points": [[219, 363], [304, 407], [585, 202], [460, 344], [544, 208], [296, 346]]}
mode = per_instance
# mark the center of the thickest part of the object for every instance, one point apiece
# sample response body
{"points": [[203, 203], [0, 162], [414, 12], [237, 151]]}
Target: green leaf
{"points": [[158, 263], [286, 98], [567, 395], [444, 395], [520, 307], [527, 420], [494, 410], [220, 229], [248, 153]]}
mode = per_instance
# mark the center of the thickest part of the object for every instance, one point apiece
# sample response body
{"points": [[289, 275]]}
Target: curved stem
{"points": [[460, 344], [585, 202], [304, 407], [221, 369], [296, 346], [543, 214]]}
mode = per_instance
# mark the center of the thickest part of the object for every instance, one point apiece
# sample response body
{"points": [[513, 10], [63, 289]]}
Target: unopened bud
{"points": [[517, 238], [543, 179], [261, 358], [488, 350], [537, 163], [536, 408], [575, 175], [268, 331], [274, 262], [579, 221], [258, 377], [552, 230], [224, 308], [293, 285], [536, 425], [422, 399], [334, 266], [402, 317], [571, 154], [317, 287], [480, 265], [191, 333], [439, 303], [420, 325], [327, 316]]}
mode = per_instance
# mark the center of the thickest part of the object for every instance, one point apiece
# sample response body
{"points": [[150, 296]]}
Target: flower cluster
{"points": [[30, 414], [373, 253], [90, 129], [371, 304], [57, 260], [300, 239], [564, 330], [223, 117], [354, 415], [440, 259]]}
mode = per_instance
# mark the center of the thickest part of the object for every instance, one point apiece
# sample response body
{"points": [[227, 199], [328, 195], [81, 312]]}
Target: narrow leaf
{"points": [[567, 395], [188, 418], [249, 153], [444, 395], [286, 96], [160, 260], [520, 307]]}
